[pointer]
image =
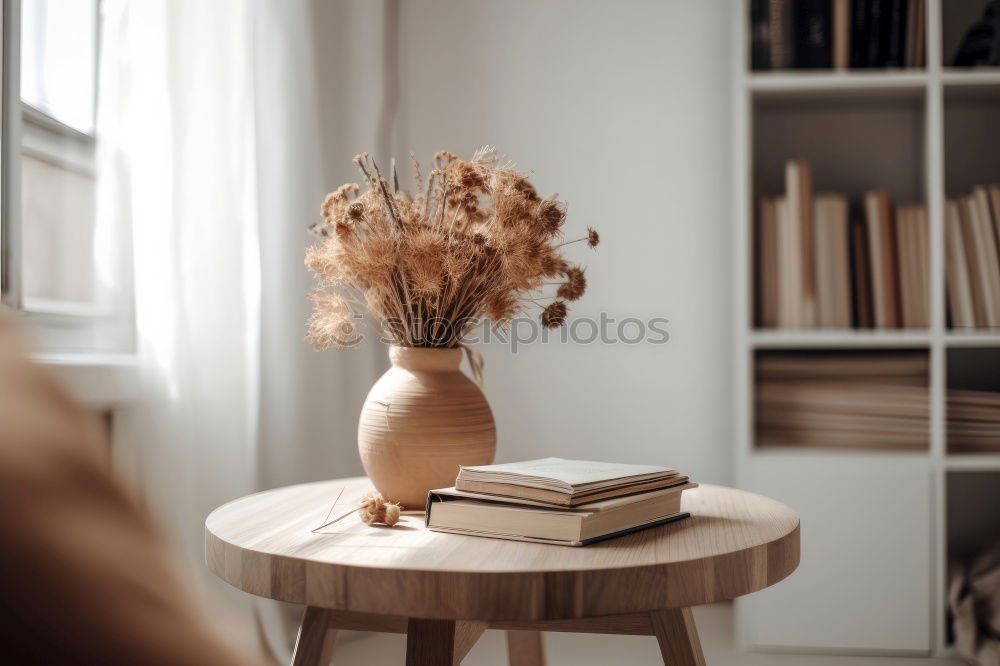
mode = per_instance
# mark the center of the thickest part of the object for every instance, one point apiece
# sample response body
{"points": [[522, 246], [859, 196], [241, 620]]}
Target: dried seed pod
{"points": [[374, 508], [391, 514]]}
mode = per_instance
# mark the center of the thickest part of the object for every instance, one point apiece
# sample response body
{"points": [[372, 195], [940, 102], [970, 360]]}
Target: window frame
{"points": [[60, 326]]}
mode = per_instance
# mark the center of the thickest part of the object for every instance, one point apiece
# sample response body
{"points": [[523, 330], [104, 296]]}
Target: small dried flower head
{"points": [[444, 157], [526, 189], [465, 175], [374, 508], [554, 314], [424, 261], [343, 229], [355, 211], [575, 285], [593, 238], [332, 323], [552, 214]]}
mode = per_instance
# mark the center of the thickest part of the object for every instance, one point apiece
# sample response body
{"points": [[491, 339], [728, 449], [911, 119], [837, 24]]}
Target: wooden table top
{"points": [[734, 543]]}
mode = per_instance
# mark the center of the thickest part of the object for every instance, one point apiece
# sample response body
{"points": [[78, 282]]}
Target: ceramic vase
{"points": [[422, 420]]}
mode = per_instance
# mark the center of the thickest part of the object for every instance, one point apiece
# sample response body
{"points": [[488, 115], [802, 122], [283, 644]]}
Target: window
{"points": [[56, 264]]}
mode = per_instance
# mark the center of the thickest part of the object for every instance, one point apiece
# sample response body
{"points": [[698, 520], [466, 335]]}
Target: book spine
{"points": [[896, 34], [970, 243], [957, 277], [861, 275], [860, 17], [841, 34], [876, 28], [760, 35], [813, 43], [779, 17], [798, 189]]}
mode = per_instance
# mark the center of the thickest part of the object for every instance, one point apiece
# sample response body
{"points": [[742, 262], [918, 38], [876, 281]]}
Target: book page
{"points": [[571, 472]]}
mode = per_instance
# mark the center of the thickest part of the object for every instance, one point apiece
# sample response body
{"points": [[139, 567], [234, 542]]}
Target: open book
{"points": [[563, 482]]}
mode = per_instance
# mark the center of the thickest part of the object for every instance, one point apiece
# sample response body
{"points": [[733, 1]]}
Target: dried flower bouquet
{"points": [[475, 241]]}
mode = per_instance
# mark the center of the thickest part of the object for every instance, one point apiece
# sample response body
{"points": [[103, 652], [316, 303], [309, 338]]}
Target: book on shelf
{"points": [[760, 31], [781, 33], [914, 266], [972, 248], [459, 512], [832, 257], [973, 421], [861, 281], [841, 13], [957, 283], [818, 264], [843, 400], [882, 252], [813, 39], [557, 501], [766, 243], [564, 482], [798, 193], [837, 34]]}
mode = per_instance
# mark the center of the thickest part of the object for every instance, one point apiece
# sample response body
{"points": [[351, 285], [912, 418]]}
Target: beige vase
{"points": [[422, 419]]}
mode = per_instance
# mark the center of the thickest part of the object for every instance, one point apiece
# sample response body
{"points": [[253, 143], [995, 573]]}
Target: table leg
{"points": [[524, 648], [314, 644], [440, 642], [678, 637]]}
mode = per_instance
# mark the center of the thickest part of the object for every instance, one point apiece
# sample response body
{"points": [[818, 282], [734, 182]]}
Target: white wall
{"points": [[622, 108]]}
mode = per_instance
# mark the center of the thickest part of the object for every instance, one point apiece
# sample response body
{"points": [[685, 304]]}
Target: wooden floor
{"points": [[715, 625]]}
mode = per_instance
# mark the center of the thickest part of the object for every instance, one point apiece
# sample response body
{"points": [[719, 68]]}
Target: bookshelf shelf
{"points": [[792, 85], [958, 462], [961, 76], [925, 135], [973, 339], [838, 339]]}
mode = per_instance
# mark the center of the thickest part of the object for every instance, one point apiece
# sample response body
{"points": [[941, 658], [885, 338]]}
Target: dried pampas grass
{"points": [[476, 240]]}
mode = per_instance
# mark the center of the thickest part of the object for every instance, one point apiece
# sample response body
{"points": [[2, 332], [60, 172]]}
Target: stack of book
{"points": [[848, 400], [973, 421], [972, 231], [837, 34], [557, 501], [819, 266]]}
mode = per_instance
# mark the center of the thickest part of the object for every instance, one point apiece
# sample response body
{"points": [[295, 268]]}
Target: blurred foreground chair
{"points": [[85, 576]]}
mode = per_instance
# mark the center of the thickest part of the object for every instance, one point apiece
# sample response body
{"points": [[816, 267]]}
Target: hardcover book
{"points": [[565, 482], [458, 512]]}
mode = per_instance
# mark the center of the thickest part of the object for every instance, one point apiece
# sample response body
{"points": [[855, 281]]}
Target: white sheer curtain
{"points": [[177, 161], [214, 120]]}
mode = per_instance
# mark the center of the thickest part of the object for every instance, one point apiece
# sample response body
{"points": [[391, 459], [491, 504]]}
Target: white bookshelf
{"points": [[925, 134]]}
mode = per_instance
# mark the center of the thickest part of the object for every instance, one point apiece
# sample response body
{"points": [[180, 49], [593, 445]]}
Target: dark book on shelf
{"points": [[860, 17], [760, 35], [877, 32], [861, 281], [813, 39], [895, 37]]}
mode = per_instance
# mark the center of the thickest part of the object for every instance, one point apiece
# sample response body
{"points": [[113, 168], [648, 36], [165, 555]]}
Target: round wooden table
{"points": [[444, 590]]}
